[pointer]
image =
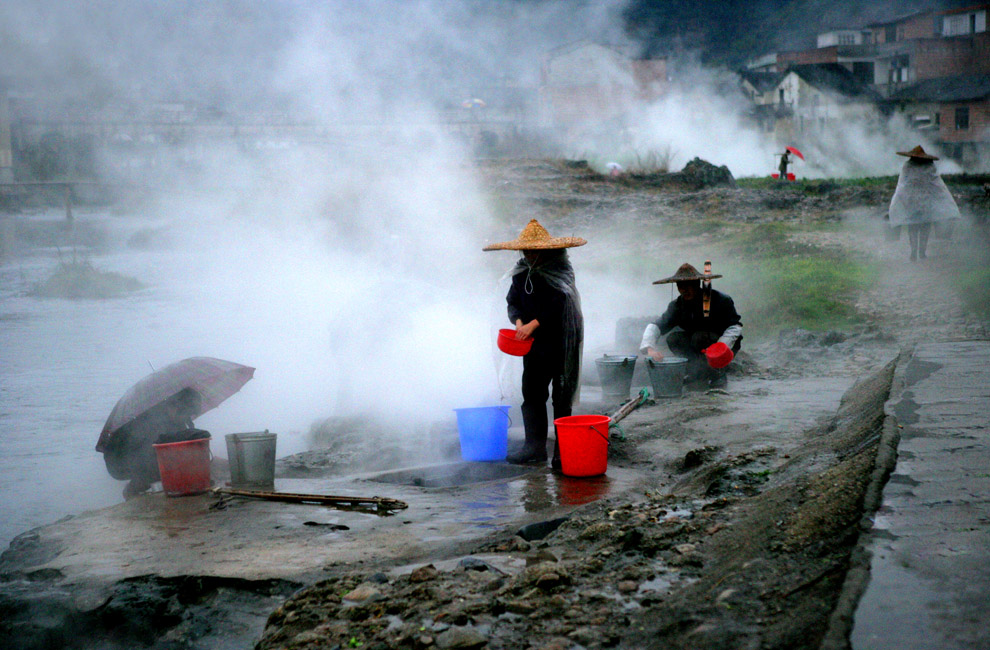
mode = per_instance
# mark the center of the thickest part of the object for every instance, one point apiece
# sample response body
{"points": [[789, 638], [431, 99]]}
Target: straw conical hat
{"points": [[917, 152], [535, 237], [687, 273]]}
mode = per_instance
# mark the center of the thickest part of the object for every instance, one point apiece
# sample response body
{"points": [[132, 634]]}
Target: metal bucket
{"points": [[667, 376], [616, 374], [252, 459]]}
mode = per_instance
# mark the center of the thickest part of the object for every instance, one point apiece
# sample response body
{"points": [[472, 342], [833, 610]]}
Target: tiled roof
{"points": [[762, 81], [947, 89], [835, 77]]}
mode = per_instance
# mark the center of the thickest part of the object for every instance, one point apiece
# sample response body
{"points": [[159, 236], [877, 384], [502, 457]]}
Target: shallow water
{"points": [[65, 363]]}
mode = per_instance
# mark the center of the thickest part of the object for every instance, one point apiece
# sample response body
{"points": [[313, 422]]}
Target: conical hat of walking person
{"points": [[917, 152], [687, 273], [535, 237]]}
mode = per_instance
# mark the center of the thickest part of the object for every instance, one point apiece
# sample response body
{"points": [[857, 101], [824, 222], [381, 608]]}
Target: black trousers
{"points": [[540, 372]]}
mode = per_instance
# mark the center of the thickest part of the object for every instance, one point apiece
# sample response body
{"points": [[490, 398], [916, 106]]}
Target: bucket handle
{"points": [[506, 414], [603, 435]]}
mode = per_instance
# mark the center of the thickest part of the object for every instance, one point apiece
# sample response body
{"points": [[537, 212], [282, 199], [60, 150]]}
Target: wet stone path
{"points": [[930, 569]]}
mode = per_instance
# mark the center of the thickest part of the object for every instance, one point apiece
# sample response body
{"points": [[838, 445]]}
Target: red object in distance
{"points": [[794, 150]]}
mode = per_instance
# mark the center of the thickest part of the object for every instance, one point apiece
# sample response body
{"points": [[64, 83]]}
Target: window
{"points": [[781, 91], [962, 118]]}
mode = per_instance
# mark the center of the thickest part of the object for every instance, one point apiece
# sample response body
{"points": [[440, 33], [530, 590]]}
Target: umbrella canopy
{"points": [[794, 150], [214, 379]]}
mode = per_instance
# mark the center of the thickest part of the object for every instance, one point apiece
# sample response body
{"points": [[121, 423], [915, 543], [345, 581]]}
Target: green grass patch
{"points": [[974, 289], [791, 284], [811, 293], [814, 185]]}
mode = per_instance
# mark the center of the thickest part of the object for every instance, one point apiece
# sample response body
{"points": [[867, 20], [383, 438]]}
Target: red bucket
{"points": [[508, 343], [184, 466], [719, 355], [583, 443]]}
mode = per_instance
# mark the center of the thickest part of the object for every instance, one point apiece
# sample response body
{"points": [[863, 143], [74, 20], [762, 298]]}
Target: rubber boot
{"points": [[533, 451]]}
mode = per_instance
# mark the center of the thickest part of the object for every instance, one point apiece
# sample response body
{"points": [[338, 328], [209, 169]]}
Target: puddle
{"points": [[452, 474]]}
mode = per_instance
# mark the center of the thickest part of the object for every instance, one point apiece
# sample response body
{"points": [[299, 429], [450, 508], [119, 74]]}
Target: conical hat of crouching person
{"points": [[919, 153], [687, 273], [535, 237]]}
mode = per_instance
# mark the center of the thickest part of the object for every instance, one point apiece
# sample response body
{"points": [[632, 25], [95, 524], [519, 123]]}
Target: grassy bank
{"points": [[791, 284]]}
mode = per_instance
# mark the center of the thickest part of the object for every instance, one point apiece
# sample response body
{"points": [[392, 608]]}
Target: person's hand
{"points": [[655, 354], [525, 331]]}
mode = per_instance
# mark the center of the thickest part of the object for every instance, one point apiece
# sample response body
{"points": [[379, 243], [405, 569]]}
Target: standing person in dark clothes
{"points": [[544, 304], [785, 160], [699, 317]]}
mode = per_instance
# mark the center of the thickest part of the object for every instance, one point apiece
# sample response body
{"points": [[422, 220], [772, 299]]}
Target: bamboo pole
{"points": [[321, 499]]}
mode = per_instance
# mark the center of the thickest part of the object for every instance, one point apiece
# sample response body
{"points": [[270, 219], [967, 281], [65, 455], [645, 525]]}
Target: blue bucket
{"points": [[484, 432]]}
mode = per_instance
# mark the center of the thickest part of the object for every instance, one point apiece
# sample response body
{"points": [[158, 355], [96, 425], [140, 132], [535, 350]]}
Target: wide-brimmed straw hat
{"points": [[687, 273], [535, 237], [917, 152]]}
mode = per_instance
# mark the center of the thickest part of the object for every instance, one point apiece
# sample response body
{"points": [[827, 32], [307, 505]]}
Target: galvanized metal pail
{"points": [[667, 376], [252, 459], [616, 374]]}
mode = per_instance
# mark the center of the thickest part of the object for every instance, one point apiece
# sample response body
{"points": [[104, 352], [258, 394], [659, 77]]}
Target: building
{"points": [[932, 66], [822, 96], [955, 111], [584, 84]]}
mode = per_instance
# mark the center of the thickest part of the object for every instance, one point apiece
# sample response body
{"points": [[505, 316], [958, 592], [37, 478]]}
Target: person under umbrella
{"points": [[543, 304], [164, 402], [132, 456], [785, 160], [921, 199], [699, 317]]}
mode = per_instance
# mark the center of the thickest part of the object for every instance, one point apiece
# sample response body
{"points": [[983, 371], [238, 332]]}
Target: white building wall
{"points": [[840, 37], [965, 23], [590, 65]]}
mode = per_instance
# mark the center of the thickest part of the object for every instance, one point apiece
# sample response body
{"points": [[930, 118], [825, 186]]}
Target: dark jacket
{"points": [[545, 304], [689, 316]]}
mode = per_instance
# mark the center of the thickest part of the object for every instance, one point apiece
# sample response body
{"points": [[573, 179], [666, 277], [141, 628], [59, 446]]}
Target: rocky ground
{"points": [[746, 536]]}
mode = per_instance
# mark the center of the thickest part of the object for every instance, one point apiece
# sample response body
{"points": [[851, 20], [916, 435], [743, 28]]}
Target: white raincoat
{"points": [[921, 196]]}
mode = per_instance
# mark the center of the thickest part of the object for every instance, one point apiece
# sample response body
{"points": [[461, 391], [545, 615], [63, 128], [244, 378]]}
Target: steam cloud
{"points": [[355, 268]]}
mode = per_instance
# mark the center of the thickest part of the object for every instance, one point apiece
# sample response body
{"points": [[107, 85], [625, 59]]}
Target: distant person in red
{"points": [[130, 454], [921, 199], [785, 160], [544, 304]]}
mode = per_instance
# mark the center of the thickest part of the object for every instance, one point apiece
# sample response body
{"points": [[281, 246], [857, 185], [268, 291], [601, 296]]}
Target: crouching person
{"points": [[698, 318]]}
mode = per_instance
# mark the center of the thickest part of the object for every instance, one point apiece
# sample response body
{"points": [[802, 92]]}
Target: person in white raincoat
{"points": [[921, 199]]}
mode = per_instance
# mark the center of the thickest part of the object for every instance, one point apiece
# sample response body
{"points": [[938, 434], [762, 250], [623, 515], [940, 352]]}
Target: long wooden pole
{"points": [[321, 499]]}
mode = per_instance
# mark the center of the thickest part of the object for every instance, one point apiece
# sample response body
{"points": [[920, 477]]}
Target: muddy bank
{"points": [[743, 548]]}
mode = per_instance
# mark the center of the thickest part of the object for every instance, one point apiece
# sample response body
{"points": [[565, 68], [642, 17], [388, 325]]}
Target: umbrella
{"points": [[794, 150], [214, 379]]}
